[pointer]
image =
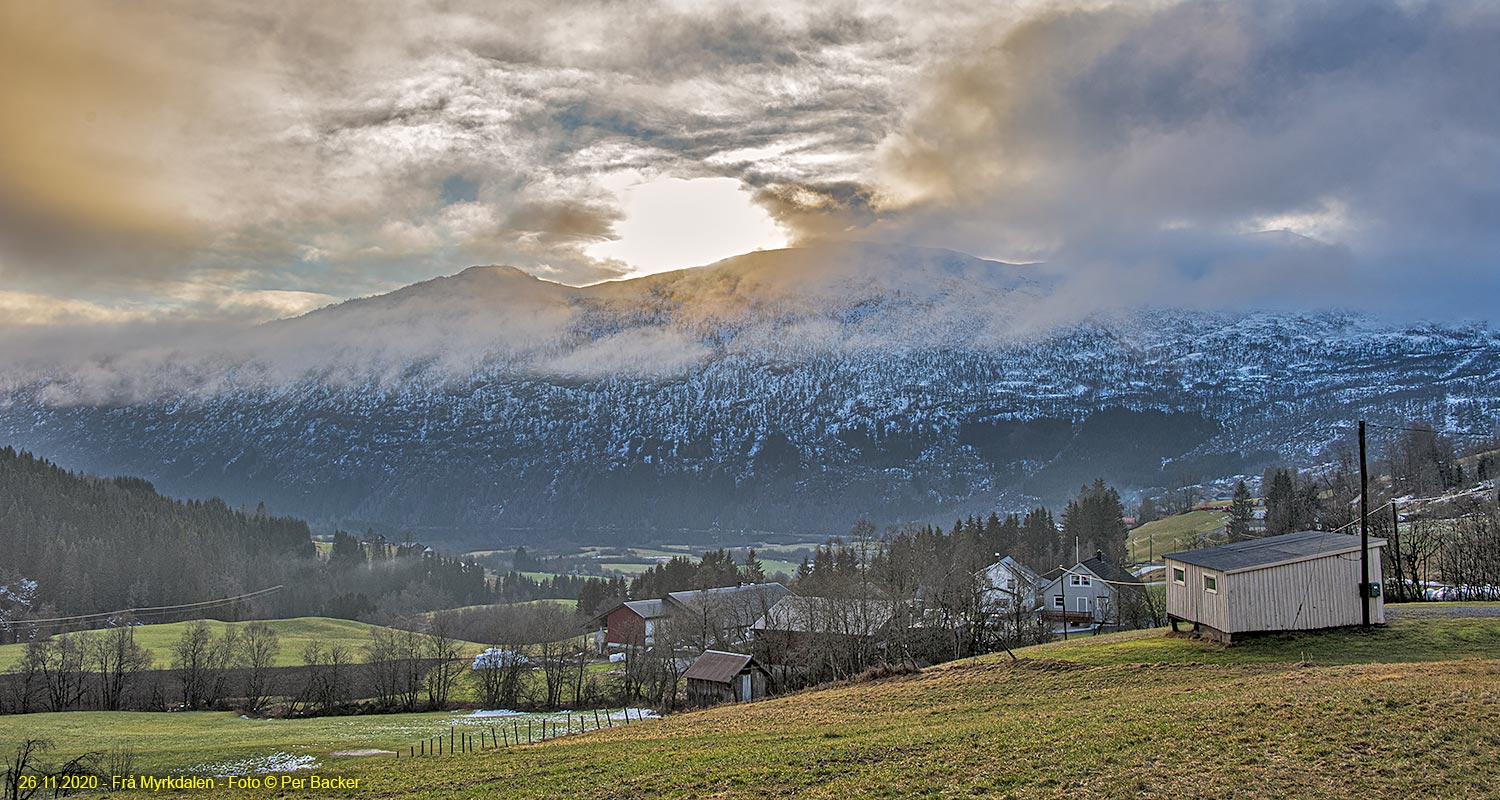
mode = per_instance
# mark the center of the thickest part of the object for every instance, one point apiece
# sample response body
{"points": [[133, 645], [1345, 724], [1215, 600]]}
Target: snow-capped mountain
{"points": [[791, 390]]}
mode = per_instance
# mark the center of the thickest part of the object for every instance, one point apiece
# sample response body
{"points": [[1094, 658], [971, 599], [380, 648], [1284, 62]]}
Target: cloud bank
{"points": [[212, 161]]}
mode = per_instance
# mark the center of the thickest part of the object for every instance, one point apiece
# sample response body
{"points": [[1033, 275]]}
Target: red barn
{"points": [[630, 623]]}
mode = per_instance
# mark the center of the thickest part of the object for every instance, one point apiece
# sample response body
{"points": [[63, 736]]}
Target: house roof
{"points": [[1021, 570], [646, 609], [1116, 576], [737, 606], [1109, 571], [794, 614], [1272, 550], [717, 666]]}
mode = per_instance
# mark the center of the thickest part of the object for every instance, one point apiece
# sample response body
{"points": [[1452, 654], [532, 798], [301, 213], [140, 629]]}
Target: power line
{"points": [[149, 609], [1486, 436]]}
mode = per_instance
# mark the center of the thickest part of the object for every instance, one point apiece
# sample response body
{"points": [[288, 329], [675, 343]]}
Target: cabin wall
{"points": [[1318, 593], [1305, 595], [1192, 602]]}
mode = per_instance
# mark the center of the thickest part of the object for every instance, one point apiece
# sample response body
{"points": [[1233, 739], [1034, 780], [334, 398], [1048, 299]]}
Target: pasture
{"points": [[1171, 534], [1050, 725], [294, 634]]}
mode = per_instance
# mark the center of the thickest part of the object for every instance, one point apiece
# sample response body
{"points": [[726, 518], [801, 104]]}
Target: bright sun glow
{"points": [[672, 223]]}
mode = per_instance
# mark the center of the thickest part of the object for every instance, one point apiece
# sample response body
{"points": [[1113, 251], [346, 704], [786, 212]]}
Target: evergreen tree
{"points": [[1095, 521], [346, 552], [752, 571], [1281, 515], [1148, 511], [1241, 513]]}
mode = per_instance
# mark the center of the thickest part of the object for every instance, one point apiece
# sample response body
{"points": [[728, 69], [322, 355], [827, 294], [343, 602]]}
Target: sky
{"points": [[166, 161]]}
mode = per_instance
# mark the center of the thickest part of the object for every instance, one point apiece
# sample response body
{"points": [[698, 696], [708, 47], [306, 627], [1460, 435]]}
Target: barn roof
{"points": [[647, 609], [717, 666], [825, 615], [1272, 550], [736, 606]]}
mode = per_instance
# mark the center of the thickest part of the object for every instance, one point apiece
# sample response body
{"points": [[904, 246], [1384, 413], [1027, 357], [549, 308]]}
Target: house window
{"points": [[1078, 580], [1179, 576], [1211, 583], [1057, 601]]}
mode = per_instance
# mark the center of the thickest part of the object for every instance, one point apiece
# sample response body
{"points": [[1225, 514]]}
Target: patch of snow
{"points": [[275, 762]]}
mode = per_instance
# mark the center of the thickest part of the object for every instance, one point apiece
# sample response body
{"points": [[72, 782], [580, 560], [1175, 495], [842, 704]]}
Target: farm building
{"points": [[631, 623], [1091, 592], [1294, 582], [720, 677], [721, 617], [800, 631], [708, 617]]}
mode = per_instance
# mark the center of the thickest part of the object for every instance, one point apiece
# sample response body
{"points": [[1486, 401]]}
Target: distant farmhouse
{"points": [[632, 623], [1294, 582], [722, 677], [1008, 585], [1091, 592], [801, 631], [709, 617]]}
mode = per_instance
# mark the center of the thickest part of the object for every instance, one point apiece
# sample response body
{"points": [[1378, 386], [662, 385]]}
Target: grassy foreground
{"points": [[294, 635], [1130, 715]]}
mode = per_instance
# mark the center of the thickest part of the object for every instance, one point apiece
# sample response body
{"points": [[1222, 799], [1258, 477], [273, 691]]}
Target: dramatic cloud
{"points": [[248, 160], [1134, 147]]}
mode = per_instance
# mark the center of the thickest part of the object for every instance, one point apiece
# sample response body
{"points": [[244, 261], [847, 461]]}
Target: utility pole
{"points": [[1364, 530], [1062, 584]]}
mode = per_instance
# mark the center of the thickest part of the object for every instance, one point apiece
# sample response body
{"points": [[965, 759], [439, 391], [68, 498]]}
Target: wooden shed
{"points": [[720, 677], [1294, 582]]}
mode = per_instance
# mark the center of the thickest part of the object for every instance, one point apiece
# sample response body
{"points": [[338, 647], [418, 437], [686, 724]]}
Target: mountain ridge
{"points": [[776, 391]]}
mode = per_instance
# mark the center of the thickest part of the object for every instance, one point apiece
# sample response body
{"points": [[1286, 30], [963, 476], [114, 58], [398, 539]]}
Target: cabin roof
{"points": [[1272, 550], [717, 666]]}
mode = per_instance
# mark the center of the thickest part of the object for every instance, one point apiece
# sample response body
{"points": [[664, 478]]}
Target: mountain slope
{"points": [[788, 391]]}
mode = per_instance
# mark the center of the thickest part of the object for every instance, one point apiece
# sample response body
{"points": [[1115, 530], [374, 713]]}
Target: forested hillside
{"points": [[788, 391], [77, 544]]}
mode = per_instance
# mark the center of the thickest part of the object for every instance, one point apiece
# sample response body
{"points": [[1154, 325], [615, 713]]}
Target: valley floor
{"points": [[1413, 710]]}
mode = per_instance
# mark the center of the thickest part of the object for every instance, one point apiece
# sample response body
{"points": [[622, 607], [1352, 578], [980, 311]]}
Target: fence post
{"points": [[528, 731], [597, 725]]}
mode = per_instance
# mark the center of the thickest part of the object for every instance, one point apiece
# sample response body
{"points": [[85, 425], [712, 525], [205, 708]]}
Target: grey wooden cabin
{"points": [[1294, 582], [721, 677]]}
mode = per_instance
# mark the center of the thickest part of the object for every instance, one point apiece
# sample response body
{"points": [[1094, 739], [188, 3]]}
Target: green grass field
{"points": [[1171, 534], [1409, 710], [1404, 641], [294, 635], [190, 741]]}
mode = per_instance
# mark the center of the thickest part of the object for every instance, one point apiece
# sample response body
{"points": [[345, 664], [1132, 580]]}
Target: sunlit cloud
{"points": [[330, 151], [671, 223]]}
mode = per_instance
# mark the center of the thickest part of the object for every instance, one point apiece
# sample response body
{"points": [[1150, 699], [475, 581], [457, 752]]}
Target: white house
{"points": [[1008, 584], [1294, 582]]}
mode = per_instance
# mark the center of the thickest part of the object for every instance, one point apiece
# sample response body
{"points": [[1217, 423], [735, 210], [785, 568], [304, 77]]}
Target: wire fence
{"points": [[476, 737]]}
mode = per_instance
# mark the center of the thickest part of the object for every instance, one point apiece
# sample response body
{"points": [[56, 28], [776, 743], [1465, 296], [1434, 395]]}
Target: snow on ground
{"points": [[275, 762]]}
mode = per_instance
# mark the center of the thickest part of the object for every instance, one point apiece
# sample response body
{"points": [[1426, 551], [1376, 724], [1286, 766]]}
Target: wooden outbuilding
{"points": [[1294, 582], [720, 677]]}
